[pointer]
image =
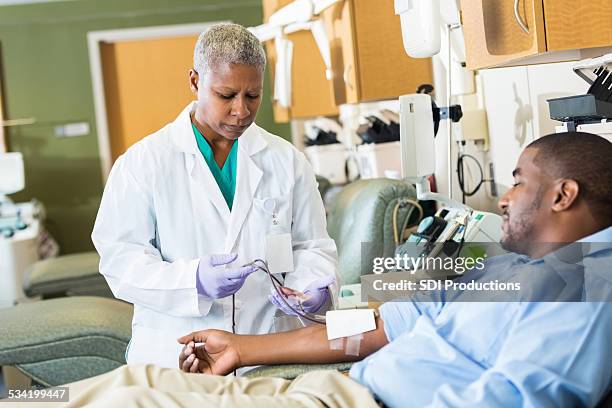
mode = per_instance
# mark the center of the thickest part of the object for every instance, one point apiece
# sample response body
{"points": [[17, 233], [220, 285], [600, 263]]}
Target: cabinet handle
{"points": [[518, 17], [345, 77]]}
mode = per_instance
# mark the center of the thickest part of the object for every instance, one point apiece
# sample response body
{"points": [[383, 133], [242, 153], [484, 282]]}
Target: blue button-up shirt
{"points": [[488, 354]]}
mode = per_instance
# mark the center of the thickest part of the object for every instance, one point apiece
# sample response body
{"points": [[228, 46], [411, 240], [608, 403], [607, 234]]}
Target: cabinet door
{"points": [[493, 33], [338, 22], [311, 95], [384, 70], [368, 57], [572, 24]]}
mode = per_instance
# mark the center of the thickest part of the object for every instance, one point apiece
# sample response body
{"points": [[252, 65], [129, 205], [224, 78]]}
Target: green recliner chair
{"points": [[62, 340]]}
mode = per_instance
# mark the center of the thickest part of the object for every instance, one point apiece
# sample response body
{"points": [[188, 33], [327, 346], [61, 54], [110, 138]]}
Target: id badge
{"points": [[279, 253]]}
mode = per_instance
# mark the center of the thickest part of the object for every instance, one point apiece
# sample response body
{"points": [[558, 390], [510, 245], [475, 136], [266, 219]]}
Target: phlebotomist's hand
{"points": [[216, 281], [314, 297]]}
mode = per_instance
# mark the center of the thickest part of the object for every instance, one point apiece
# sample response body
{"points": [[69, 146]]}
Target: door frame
{"points": [[94, 42], [3, 141]]}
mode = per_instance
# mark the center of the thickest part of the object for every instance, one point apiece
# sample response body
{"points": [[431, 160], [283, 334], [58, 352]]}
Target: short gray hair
{"points": [[230, 44]]}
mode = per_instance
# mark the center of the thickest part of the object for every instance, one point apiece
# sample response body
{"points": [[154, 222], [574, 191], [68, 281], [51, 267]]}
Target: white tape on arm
{"points": [[336, 344], [353, 344], [346, 323]]}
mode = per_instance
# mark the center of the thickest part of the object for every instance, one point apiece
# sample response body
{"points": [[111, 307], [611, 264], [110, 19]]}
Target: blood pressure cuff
{"points": [[63, 340]]}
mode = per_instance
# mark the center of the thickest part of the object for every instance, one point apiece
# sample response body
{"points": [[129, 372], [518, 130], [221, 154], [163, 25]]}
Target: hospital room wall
{"points": [[517, 113], [47, 76]]}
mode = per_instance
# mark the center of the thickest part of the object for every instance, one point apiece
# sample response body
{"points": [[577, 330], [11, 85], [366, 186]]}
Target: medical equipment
{"points": [[445, 232], [420, 20], [277, 285], [418, 119], [591, 112], [17, 253], [455, 222], [12, 178], [19, 230], [422, 23]]}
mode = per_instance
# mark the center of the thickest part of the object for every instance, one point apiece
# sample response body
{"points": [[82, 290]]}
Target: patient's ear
{"points": [[566, 194]]}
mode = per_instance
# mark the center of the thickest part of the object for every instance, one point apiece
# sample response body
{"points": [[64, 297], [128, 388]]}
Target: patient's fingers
{"points": [[185, 353], [182, 357], [186, 366], [195, 366], [188, 349]]}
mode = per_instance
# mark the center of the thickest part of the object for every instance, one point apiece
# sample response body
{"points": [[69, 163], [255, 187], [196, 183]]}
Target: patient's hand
{"points": [[218, 355]]}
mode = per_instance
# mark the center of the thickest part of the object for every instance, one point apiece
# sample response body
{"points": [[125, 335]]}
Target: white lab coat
{"points": [[162, 210]]}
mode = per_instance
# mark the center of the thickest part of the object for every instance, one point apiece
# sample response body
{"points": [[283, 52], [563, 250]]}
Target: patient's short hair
{"points": [[585, 158], [227, 43]]}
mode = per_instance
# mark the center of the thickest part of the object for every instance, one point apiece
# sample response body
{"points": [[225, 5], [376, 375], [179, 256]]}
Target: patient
{"points": [[434, 352]]}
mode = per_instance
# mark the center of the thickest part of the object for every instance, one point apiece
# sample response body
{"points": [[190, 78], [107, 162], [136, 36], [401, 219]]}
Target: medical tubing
{"points": [[264, 267], [284, 300], [234, 313], [234, 321], [405, 225], [415, 204], [460, 175], [398, 234], [394, 222], [280, 294]]}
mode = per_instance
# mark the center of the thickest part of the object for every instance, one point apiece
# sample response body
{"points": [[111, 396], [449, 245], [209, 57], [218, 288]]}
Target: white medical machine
{"points": [[454, 223], [591, 112], [420, 20], [19, 230]]}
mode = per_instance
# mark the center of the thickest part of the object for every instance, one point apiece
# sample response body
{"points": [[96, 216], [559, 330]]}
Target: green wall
{"points": [[46, 75]]}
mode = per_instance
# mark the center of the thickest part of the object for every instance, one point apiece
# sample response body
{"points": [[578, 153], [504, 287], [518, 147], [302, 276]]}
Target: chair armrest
{"points": [[291, 371], [67, 275]]}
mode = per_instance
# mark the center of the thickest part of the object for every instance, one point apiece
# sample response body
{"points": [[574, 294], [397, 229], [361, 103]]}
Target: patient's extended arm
{"points": [[223, 352]]}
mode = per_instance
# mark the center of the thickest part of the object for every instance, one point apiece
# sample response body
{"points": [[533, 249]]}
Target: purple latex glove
{"points": [[216, 281], [316, 295]]}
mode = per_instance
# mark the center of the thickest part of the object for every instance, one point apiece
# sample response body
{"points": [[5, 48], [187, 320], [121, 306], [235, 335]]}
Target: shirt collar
{"points": [[605, 235], [602, 237]]}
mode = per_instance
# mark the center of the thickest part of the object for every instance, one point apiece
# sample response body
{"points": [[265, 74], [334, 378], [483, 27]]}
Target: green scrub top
{"points": [[225, 176]]}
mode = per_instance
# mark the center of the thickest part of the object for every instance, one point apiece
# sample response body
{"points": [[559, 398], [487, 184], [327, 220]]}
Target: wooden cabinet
{"points": [[367, 57], [502, 32], [311, 94], [572, 24]]}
